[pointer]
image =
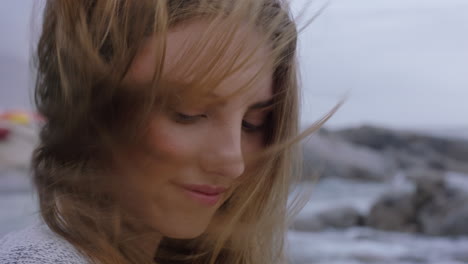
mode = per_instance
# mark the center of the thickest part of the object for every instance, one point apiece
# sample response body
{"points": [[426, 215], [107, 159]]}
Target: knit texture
{"points": [[38, 244]]}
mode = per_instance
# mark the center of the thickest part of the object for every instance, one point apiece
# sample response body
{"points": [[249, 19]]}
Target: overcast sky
{"points": [[404, 62]]}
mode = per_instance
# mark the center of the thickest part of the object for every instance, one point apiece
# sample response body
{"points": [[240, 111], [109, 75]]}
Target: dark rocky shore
{"points": [[433, 169]]}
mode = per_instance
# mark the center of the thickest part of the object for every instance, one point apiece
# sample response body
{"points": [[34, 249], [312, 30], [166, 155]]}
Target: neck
{"points": [[144, 241], [148, 244]]}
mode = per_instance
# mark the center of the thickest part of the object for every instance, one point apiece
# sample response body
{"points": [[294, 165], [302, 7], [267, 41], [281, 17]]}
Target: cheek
{"points": [[252, 143], [168, 141]]}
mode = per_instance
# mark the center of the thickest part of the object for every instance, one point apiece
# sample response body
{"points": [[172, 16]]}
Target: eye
{"points": [[186, 119], [251, 128]]}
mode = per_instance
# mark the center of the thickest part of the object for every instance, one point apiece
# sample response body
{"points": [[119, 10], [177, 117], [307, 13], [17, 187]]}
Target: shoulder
{"points": [[38, 244]]}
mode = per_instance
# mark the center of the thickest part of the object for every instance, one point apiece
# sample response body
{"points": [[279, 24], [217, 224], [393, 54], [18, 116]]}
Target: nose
{"points": [[223, 153]]}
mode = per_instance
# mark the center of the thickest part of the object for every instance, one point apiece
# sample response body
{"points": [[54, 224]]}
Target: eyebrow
{"points": [[257, 106], [261, 105]]}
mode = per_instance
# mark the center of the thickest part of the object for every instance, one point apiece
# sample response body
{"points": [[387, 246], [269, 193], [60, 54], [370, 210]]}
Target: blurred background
{"points": [[393, 162]]}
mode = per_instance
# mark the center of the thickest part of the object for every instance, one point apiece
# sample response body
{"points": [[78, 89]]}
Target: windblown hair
{"points": [[85, 51]]}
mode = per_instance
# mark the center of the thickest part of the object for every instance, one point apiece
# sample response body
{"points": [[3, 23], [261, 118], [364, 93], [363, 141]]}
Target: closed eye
{"points": [[187, 119], [251, 128]]}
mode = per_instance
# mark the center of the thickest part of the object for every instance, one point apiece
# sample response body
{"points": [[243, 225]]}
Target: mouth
{"points": [[204, 194]]}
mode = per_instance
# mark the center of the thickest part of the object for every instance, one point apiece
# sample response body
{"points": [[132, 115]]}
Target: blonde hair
{"points": [[85, 50]]}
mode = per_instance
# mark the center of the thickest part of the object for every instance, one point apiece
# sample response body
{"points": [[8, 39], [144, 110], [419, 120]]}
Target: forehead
{"points": [[194, 45]]}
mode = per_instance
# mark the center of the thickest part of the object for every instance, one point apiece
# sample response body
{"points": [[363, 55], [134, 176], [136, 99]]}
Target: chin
{"points": [[182, 226]]}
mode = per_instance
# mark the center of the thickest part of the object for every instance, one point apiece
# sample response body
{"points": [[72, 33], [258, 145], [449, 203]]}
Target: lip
{"points": [[205, 189], [205, 194]]}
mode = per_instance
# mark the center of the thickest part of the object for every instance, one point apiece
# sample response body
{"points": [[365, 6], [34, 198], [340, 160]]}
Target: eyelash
{"points": [[249, 128], [190, 119], [187, 119]]}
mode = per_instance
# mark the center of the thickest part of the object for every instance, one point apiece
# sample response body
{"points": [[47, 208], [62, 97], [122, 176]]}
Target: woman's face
{"points": [[192, 152]]}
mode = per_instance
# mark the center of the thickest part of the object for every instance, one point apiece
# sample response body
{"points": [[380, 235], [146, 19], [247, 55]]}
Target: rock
{"points": [[435, 201], [393, 212], [374, 138], [336, 218], [310, 224], [453, 165], [328, 155], [438, 206], [428, 184], [440, 211], [456, 223], [376, 154], [342, 217], [410, 149]]}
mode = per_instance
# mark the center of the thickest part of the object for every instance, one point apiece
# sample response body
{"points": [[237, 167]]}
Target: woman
{"points": [[169, 135]]}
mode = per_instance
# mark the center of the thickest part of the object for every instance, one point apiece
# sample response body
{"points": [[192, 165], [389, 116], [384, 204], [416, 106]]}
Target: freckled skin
{"points": [[212, 150]]}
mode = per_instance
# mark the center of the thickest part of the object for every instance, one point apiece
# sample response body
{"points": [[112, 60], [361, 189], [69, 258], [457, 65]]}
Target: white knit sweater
{"points": [[38, 244]]}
